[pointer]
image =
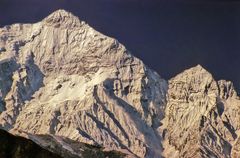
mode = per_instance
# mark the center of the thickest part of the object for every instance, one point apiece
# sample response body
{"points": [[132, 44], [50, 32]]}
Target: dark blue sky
{"points": [[168, 36]]}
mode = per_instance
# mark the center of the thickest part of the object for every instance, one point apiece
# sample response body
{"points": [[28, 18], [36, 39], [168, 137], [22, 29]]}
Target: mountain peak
{"points": [[195, 72], [73, 70], [62, 18], [76, 85], [198, 68], [61, 12]]}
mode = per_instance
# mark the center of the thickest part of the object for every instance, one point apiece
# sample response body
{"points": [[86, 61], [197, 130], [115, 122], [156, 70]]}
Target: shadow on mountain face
{"points": [[167, 36], [18, 147], [85, 150]]}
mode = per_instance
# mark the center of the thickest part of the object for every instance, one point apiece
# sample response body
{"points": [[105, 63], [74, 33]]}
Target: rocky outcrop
{"points": [[63, 82], [202, 116], [71, 81]]}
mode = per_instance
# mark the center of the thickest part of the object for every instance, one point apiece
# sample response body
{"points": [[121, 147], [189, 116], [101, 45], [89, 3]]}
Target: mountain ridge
{"points": [[62, 73], [68, 80]]}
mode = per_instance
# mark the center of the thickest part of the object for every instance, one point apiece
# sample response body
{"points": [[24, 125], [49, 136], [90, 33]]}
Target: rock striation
{"points": [[62, 77], [202, 116], [62, 81]]}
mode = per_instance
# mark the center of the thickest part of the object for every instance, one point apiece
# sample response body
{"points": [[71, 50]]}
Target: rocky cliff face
{"points": [[202, 116], [62, 78]]}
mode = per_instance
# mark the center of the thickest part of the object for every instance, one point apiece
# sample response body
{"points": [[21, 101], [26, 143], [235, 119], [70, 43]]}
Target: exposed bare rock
{"points": [[62, 77], [62, 81], [202, 116]]}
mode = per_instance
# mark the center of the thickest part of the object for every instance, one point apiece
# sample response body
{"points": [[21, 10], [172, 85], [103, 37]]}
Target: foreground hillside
{"points": [[18, 147]]}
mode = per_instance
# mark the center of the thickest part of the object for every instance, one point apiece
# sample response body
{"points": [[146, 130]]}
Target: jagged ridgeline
{"points": [[202, 116], [62, 81], [66, 79]]}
